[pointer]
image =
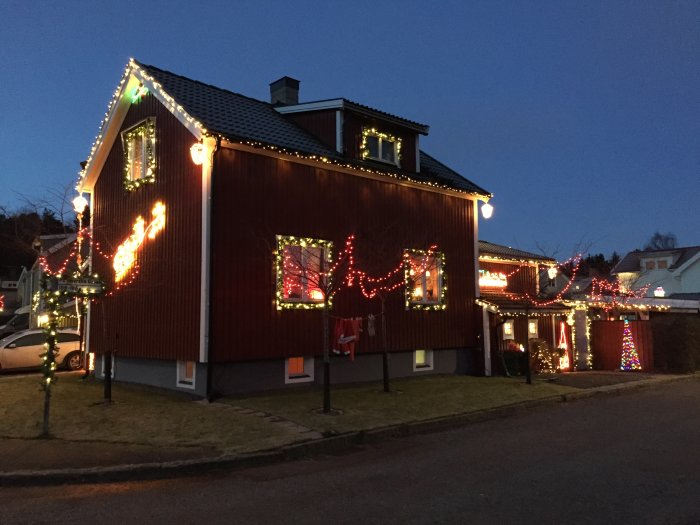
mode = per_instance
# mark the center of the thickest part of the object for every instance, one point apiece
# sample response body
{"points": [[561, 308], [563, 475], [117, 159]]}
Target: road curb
{"points": [[314, 447]]}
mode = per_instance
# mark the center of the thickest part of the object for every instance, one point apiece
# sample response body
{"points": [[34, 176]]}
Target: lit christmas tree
{"points": [[630, 358], [563, 345]]}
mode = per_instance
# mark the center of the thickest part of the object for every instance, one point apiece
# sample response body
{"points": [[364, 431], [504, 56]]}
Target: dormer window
{"points": [[381, 146]]}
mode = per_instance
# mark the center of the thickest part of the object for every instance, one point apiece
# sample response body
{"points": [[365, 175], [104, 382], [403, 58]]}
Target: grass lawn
{"points": [[368, 406], [150, 417], [137, 415]]}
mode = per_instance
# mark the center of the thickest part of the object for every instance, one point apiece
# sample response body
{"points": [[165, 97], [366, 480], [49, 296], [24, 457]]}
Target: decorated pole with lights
{"points": [[50, 294]]}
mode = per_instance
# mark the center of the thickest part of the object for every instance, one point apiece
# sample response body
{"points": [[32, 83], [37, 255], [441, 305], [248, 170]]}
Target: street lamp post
{"points": [[79, 205]]}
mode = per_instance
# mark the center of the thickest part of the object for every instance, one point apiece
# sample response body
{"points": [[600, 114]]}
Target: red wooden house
{"points": [[193, 244], [514, 310]]}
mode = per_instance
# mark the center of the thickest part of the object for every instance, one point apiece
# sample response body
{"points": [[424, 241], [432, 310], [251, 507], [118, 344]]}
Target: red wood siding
{"points": [[256, 198], [352, 138], [606, 344], [157, 315], [321, 124], [522, 280]]}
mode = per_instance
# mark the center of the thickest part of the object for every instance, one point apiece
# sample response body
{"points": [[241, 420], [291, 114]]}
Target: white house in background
{"points": [[673, 274]]}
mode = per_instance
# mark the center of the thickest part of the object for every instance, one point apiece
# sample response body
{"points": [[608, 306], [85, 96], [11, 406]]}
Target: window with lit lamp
{"points": [[302, 265], [425, 279]]}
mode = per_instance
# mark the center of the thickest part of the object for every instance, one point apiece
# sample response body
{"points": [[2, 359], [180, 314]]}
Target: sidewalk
{"points": [[51, 461]]}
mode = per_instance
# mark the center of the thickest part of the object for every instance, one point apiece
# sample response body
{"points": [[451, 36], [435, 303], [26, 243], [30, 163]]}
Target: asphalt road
{"points": [[631, 458]]}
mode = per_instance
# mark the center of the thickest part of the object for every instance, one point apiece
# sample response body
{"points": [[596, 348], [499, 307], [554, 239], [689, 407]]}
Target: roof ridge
{"points": [[140, 64]]}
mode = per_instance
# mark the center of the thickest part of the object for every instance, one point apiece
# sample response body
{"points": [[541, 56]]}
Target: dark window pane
{"points": [[373, 147], [388, 150]]}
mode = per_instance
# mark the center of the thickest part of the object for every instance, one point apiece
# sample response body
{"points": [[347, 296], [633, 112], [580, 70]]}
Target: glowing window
{"points": [[425, 280], [299, 370], [139, 154], [296, 366], [301, 271], [508, 330], [532, 328], [422, 360]]}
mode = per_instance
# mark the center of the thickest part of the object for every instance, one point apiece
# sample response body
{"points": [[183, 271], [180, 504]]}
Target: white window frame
{"points": [[382, 139], [308, 376], [182, 381], [132, 145], [427, 359]]}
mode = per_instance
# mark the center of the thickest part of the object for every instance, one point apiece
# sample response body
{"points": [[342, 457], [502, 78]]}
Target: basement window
{"points": [[186, 374], [422, 360], [298, 370]]}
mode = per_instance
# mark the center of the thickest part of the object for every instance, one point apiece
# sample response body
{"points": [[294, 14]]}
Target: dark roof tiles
{"points": [[506, 252], [240, 118]]}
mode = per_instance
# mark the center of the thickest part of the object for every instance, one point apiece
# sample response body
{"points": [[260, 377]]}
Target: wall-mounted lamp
{"points": [[486, 210], [552, 273], [198, 153], [659, 292]]}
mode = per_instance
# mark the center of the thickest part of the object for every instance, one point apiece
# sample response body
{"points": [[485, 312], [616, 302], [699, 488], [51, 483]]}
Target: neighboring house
{"points": [[201, 294], [514, 311], [58, 252], [673, 274]]}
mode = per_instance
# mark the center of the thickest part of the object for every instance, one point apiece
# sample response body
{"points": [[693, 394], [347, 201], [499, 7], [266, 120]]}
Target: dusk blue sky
{"points": [[583, 118]]}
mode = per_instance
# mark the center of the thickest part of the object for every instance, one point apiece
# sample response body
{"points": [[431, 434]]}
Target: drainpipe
{"points": [[208, 170]]}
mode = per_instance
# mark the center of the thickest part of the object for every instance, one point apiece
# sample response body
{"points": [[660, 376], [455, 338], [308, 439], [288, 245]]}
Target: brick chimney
{"points": [[284, 92]]}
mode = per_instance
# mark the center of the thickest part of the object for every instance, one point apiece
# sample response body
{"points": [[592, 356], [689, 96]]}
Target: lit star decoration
{"points": [[125, 256], [138, 93], [630, 357]]}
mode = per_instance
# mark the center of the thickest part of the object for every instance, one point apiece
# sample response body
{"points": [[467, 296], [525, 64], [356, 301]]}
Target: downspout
{"points": [[208, 169]]}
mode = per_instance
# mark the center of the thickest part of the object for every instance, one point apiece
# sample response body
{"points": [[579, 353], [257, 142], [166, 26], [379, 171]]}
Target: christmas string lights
{"points": [[125, 256], [630, 358], [140, 167]]}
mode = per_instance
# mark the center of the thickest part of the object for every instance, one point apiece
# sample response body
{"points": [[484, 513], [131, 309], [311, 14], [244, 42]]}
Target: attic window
{"points": [[381, 146], [139, 146]]}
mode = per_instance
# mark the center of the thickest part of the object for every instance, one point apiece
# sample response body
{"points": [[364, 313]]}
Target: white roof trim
{"points": [[118, 108], [337, 103]]}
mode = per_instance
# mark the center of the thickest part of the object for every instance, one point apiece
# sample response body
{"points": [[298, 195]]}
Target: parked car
{"points": [[23, 349], [17, 323]]}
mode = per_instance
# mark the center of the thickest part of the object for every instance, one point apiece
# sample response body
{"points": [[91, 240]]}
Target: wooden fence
{"points": [[606, 344]]}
